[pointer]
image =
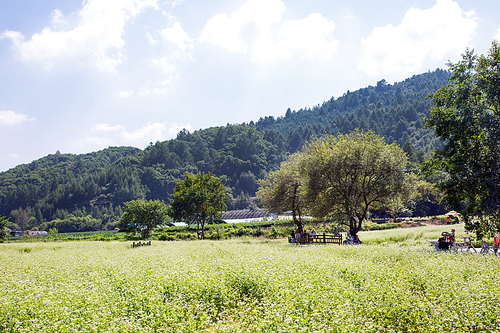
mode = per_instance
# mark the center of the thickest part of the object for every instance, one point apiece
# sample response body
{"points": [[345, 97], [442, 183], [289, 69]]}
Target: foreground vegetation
{"points": [[248, 286]]}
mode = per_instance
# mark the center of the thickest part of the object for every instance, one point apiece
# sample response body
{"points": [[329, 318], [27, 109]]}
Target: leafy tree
{"points": [[3, 228], [281, 190], [428, 201], [73, 224], [142, 216], [466, 117], [197, 200], [347, 175]]}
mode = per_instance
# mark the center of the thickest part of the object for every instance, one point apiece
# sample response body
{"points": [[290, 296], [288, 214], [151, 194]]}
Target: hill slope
{"points": [[98, 183]]}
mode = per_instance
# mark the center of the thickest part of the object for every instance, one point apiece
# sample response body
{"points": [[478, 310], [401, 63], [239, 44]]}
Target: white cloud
{"points": [[256, 29], [125, 93], [96, 36], [160, 88], [497, 37], [423, 35], [119, 135], [151, 132], [90, 143], [174, 3], [177, 36], [106, 128], [165, 86], [176, 42], [164, 64], [57, 18], [11, 118]]}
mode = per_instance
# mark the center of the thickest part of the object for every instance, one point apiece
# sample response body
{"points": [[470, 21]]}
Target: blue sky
{"points": [[80, 76]]}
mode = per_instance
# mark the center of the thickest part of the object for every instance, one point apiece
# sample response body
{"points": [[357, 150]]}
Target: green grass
{"points": [[248, 285], [411, 236]]}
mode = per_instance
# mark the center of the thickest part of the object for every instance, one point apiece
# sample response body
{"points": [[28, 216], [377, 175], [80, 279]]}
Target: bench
{"points": [[321, 239]]}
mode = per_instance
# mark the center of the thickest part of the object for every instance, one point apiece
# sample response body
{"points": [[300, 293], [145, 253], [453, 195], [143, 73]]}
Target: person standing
{"points": [[496, 244]]}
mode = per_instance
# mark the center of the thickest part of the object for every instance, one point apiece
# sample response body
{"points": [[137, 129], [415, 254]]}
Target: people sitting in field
{"points": [[356, 240], [451, 237], [350, 239], [446, 240]]}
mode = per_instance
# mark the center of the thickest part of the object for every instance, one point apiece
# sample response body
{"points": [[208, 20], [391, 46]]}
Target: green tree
{"points": [[281, 190], [466, 117], [347, 175], [3, 228], [197, 200], [428, 201], [142, 216]]}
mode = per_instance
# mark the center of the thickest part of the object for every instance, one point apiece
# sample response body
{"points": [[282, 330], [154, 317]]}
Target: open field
{"points": [[400, 285]]}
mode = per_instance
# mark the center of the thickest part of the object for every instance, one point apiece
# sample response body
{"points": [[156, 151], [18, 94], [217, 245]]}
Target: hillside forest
{"points": [[86, 192]]}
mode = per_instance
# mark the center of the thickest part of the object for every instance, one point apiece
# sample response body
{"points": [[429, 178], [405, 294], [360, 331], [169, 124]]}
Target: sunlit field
{"points": [[398, 284]]}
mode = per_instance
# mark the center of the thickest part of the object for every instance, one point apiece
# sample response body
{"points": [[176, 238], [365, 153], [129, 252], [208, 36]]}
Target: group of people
{"points": [[296, 236], [447, 240], [351, 239]]}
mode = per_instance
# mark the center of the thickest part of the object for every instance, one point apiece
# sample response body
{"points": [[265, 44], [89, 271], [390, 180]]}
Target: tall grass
{"points": [[247, 286], [411, 236]]}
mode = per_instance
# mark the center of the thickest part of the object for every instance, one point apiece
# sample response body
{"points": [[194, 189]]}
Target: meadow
{"points": [[395, 282]]}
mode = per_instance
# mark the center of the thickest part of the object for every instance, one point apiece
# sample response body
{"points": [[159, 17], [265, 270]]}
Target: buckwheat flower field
{"points": [[245, 286]]}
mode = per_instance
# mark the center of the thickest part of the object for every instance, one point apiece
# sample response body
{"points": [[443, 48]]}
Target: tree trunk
{"points": [[298, 222], [203, 230]]}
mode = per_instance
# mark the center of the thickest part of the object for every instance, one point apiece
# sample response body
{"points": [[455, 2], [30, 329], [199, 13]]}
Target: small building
{"points": [[245, 215], [14, 233]]}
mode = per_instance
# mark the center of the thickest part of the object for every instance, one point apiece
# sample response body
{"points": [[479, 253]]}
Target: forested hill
{"points": [[393, 111], [88, 190]]}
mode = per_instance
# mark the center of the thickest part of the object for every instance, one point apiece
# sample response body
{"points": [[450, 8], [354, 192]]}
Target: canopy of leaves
{"points": [[347, 175], [281, 190], [142, 216], [197, 200], [3, 228], [466, 117]]}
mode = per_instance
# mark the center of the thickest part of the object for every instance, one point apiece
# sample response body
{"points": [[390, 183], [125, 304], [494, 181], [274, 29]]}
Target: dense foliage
{"points": [[281, 189], [466, 117], [3, 228], [346, 176], [64, 186], [247, 286], [142, 216], [198, 199]]}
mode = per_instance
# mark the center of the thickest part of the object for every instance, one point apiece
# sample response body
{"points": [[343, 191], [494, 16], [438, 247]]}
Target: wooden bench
{"points": [[321, 239]]}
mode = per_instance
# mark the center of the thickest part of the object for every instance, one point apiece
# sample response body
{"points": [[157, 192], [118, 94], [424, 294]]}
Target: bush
{"points": [[166, 237]]}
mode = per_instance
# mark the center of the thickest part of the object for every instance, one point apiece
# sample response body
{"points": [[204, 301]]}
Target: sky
{"points": [[81, 76]]}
